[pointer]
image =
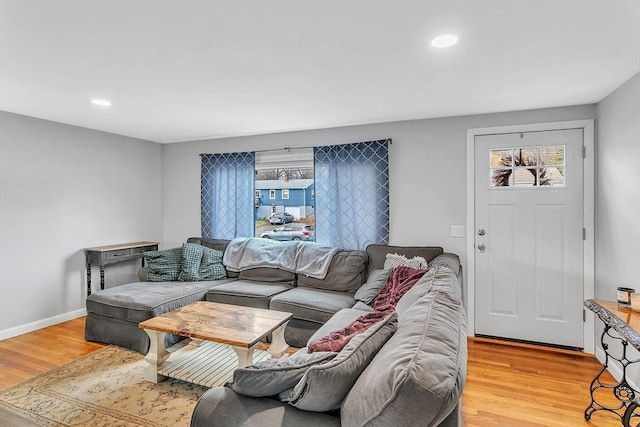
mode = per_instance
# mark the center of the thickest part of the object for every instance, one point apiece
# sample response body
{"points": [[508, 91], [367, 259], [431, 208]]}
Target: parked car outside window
{"points": [[281, 218], [291, 232]]}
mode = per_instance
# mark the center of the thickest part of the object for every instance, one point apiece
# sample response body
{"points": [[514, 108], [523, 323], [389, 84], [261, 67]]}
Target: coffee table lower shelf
{"points": [[205, 363]]}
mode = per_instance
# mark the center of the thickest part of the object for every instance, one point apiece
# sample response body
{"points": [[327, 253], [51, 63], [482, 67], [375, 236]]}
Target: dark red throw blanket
{"points": [[399, 282]]}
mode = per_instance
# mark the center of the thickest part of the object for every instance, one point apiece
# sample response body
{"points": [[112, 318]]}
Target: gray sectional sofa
{"points": [[415, 373], [113, 314]]}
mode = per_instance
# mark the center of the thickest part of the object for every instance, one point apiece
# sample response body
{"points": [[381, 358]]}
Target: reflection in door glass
{"points": [[527, 167]]}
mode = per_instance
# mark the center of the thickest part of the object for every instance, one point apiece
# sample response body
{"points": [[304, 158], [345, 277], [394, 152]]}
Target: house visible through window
{"points": [[287, 179]]}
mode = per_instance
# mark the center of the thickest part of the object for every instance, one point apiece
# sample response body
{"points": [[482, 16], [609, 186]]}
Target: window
{"points": [[542, 166], [287, 174], [344, 188]]}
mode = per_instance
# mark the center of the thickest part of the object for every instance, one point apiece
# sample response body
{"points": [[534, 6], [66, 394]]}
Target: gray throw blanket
{"points": [[308, 258]]}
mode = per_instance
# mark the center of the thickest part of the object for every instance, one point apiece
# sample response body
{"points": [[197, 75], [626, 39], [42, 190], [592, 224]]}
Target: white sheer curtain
{"points": [[227, 204], [352, 194]]}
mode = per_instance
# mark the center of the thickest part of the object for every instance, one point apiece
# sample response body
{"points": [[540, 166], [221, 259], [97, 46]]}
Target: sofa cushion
{"points": [[268, 275], [139, 301], [400, 385], [311, 304], [246, 293], [338, 339], [272, 376], [376, 281], [436, 278], [217, 244], [164, 265], [222, 407], [339, 320], [346, 273], [449, 260], [323, 387]]}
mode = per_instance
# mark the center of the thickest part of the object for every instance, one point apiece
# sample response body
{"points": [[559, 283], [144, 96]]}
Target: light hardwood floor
{"points": [[507, 384]]}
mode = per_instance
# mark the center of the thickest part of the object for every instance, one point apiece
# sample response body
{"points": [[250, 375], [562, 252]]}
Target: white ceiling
{"points": [[196, 69]]}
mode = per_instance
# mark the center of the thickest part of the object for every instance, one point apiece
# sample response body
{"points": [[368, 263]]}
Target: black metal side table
{"points": [[626, 324]]}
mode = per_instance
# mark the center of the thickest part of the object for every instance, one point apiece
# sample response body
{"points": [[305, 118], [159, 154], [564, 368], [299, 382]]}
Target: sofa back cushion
{"points": [[268, 275], [218, 244], [419, 373], [437, 278], [377, 253], [346, 273]]}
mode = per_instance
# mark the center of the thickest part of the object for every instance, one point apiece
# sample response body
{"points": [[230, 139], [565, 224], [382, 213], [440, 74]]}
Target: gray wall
{"points": [[618, 196], [427, 167], [64, 188]]}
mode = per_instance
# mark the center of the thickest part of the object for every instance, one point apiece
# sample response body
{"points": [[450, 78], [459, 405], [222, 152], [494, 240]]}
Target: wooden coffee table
{"points": [[217, 331]]}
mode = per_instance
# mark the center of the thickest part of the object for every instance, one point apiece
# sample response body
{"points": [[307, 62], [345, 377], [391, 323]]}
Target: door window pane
{"points": [[527, 167]]}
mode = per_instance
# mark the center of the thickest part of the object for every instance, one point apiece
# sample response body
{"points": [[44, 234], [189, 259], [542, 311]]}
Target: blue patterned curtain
{"points": [[227, 183], [352, 194]]}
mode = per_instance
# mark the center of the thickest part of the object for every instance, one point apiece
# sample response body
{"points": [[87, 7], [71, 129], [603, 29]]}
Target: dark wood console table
{"points": [[626, 323], [103, 255]]}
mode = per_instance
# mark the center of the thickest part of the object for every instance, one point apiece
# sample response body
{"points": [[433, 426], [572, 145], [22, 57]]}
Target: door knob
{"points": [[481, 246], [481, 232]]}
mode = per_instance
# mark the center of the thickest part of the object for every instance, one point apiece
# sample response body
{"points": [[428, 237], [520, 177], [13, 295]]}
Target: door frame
{"points": [[587, 127]]}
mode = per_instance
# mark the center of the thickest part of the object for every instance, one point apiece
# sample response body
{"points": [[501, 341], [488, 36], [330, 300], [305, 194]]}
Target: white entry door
{"points": [[529, 236]]}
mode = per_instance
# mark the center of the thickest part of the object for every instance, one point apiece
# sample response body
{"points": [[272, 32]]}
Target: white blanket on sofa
{"points": [[308, 258]]}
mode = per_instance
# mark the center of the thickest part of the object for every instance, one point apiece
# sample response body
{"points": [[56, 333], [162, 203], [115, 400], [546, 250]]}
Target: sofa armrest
{"points": [[222, 407], [142, 274]]}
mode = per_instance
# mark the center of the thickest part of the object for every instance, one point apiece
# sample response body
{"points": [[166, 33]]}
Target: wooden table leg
{"points": [[245, 355], [278, 343], [155, 357]]}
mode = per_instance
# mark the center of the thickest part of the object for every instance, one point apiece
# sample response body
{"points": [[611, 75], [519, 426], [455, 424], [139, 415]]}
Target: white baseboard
{"points": [[34, 326], [615, 369]]}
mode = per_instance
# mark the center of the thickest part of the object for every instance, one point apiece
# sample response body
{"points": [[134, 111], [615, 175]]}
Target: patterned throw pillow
{"points": [[191, 259], [163, 266], [395, 260], [211, 267], [376, 281]]}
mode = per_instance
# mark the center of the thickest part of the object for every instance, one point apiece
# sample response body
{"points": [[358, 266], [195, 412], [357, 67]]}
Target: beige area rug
{"points": [[105, 388]]}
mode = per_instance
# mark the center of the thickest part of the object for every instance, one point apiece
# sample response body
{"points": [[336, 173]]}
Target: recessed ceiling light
{"points": [[444, 40], [101, 102]]}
